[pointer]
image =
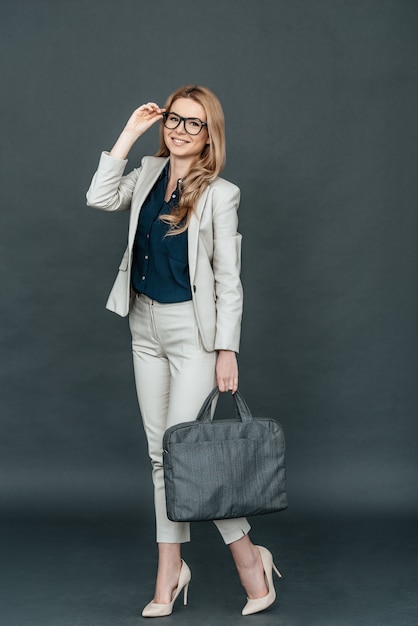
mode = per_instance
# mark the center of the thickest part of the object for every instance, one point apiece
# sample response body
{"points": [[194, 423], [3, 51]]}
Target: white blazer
{"points": [[214, 246]]}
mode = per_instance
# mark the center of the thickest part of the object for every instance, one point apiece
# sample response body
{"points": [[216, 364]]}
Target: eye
{"points": [[173, 118], [195, 123]]}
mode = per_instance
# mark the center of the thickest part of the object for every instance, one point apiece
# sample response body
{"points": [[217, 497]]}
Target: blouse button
{"points": [[146, 257]]}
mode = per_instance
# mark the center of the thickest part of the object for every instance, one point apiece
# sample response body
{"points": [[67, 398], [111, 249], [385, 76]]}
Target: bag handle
{"points": [[242, 410]]}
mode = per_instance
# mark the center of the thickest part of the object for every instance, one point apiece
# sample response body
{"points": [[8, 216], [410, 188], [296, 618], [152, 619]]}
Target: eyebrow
{"points": [[187, 118]]}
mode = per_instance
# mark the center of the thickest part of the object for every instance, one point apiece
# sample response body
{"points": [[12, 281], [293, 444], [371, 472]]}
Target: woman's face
{"points": [[179, 141]]}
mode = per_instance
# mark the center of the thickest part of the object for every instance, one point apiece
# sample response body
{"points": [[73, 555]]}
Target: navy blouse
{"points": [[160, 267]]}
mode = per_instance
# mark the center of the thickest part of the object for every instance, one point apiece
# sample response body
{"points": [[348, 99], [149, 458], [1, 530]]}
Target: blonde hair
{"points": [[209, 164]]}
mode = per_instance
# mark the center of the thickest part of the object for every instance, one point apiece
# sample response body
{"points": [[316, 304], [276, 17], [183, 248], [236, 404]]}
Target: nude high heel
{"points": [[259, 604], [160, 610]]}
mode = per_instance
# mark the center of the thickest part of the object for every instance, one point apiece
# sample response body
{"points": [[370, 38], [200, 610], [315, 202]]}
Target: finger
{"points": [[150, 107], [233, 384], [153, 106], [221, 384]]}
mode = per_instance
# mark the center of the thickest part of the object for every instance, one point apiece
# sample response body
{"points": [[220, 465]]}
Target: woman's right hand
{"points": [[140, 121], [143, 118]]}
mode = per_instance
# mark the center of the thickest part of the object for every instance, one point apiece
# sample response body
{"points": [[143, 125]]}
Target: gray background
{"points": [[321, 106]]}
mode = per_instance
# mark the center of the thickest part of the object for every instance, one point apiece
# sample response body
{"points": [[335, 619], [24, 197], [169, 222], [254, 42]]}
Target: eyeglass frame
{"points": [[184, 120]]}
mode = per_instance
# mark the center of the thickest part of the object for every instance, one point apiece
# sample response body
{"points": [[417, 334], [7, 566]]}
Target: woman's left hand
{"points": [[227, 371]]}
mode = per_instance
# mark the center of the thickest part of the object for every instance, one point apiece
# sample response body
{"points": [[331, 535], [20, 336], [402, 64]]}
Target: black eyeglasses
{"points": [[192, 125]]}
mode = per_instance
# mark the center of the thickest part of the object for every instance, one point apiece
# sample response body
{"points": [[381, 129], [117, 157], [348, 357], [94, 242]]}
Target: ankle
{"points": [[168, 566], [169, 559], [245, 554]]}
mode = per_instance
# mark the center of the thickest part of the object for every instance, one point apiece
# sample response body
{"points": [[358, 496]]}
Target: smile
{"points": [[179, 142]]}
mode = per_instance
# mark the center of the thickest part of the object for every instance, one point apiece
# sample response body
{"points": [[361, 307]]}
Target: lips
{"points": [[179, 142]]}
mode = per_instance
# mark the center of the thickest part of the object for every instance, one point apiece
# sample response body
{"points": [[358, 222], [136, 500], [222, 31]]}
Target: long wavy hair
{"points": [[209, 164]]}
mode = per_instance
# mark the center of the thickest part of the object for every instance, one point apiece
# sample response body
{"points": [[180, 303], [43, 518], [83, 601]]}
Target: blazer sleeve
{"points": [[227, 267], [109, 189]]}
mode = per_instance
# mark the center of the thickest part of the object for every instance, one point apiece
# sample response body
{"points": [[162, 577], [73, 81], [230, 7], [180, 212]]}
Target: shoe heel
{"points": [[277, 571], [186, 591]]}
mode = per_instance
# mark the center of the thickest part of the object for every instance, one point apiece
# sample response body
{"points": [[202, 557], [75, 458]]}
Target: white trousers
{"points": [[173, 375]]}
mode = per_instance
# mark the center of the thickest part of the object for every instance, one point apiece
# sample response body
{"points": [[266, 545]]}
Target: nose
{"points": [[181, 128]]}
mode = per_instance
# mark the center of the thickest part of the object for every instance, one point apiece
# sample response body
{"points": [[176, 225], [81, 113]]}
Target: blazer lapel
{"points": [[150, 172]]}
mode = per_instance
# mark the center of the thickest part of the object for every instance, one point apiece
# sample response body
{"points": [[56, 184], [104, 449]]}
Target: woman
{"points": [[179, 282]]}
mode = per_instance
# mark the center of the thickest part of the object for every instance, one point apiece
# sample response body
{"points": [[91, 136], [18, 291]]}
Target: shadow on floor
{"points": [[336, 572]]}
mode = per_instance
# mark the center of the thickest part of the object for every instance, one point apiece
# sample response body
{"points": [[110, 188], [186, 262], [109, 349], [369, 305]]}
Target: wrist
{"points": [[129, 135], [123, 144]]}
